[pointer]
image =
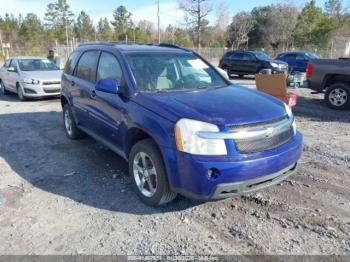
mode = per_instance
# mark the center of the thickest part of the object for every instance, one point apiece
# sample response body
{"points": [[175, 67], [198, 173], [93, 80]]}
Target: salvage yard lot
{"points": [[74, 197]]}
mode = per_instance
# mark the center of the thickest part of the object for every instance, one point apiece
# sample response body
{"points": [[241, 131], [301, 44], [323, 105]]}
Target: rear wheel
{"points": [[72, 131], [149, 174], [338, 96], [3, 89]]}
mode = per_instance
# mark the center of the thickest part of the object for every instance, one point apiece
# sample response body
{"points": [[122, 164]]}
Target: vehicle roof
{"points": [[27, 57], [295, 52], [246, 51], [136, 47]]}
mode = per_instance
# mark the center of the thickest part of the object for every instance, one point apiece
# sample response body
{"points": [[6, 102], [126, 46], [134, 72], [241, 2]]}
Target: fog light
{"points": [[213, 173]]}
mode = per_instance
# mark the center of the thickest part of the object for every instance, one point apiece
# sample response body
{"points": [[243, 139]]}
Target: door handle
{"points": [[93, 93]]}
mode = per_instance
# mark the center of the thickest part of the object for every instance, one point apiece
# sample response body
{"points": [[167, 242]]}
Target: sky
{"points": [[141, 9]]}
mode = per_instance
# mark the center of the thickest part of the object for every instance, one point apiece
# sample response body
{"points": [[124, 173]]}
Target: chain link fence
{"points": [[336, 48]]}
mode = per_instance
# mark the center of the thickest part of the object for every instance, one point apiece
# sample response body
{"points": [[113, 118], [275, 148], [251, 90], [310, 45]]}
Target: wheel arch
{"points": [[335, 78]]}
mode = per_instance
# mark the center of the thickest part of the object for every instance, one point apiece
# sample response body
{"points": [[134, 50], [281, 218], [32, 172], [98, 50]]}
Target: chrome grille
{"points": [[253, 145], [52, 91], [262, 136]]}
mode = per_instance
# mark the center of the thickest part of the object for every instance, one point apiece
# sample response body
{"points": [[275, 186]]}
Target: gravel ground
{"points": [[74, 197]]}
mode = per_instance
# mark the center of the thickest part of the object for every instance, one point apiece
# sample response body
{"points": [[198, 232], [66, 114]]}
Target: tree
{"points": [[222, 21], [313, 27], [59, 18], [333, 7], [84, 28], [274, 25], [104, 30], [122, 22], [31, 33], [196, 12], [238, 30]]}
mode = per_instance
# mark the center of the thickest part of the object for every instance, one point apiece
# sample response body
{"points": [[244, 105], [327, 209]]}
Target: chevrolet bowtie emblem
{"points": [[270, 132]]}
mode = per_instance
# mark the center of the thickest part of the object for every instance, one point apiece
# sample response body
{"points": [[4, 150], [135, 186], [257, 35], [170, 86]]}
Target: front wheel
{"points": [[149, 174], [338, 96], [20, 94]]}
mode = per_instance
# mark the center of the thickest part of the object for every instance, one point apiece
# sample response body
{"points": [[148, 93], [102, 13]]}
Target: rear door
{"points": [[291, 60], [250, 63], [83, 86], [236, 62]]}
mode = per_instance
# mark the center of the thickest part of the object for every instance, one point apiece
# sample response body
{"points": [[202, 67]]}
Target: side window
{"points": [[248, 57], [86, 66], [237, 56], [300, 57], [13, 64], [109, 67], [72, 61], [7, 63], [290, 56]]}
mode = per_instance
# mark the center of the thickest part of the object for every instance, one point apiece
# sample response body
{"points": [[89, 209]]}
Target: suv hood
{"points": [[223, 106], [54, 75]]}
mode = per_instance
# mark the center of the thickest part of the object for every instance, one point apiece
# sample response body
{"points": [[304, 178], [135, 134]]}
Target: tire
{"points": [[20, 94], [3, 89], [70, 127], [150, 182], [337, 96]]}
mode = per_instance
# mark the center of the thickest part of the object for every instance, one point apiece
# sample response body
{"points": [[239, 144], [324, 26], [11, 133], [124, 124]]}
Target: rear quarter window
{"points": [[72, 61]]}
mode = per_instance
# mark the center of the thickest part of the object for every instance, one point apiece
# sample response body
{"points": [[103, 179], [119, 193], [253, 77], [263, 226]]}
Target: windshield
{"points": [[263, 56], [163, 72], [36, 65]]}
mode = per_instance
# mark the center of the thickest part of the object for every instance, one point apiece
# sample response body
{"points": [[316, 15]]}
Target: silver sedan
{"points": [[30, 77]]}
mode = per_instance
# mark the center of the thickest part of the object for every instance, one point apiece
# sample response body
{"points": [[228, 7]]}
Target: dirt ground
{"points": [[74, 197]]}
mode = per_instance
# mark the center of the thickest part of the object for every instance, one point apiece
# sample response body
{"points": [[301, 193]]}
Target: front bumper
{"points": [[30, 90], [237, 175]]}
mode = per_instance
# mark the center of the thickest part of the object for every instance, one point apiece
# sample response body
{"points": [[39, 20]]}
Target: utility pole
{"points": [[158, 13]]}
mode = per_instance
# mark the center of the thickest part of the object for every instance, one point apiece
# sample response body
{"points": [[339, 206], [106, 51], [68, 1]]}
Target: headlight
{"points": [[188, 141], [31, 81], [274, 64], [290, 115]]}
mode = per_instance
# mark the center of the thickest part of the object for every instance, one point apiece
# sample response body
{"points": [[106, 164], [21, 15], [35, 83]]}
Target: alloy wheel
{"points": [[68, 123], [145, 174], [338, 97]]}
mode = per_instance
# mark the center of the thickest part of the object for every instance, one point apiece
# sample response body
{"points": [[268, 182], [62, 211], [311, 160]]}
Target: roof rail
{"points": [[109, 43]]}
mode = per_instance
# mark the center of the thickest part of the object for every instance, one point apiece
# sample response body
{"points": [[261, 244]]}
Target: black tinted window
{"points": [[70, 65], [109, 68], [86, 66], [237, 56], [248, 57]]}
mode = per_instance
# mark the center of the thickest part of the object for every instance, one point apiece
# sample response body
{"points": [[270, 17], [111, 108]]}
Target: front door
{"points": [[108, 109]]}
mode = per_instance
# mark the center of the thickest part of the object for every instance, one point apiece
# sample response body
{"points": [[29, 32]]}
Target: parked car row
{"points": [[331, 76], [243, 63]]}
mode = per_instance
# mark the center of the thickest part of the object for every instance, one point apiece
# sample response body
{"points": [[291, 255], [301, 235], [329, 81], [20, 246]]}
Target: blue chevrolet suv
{"points": [[181, 125]]}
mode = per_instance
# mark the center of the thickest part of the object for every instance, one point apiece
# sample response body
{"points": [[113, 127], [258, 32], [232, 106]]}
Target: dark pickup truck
{"points": [[331, 76]]}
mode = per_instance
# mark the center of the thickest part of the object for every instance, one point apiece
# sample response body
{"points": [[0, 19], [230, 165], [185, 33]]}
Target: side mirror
{"points": [[12, 69], [107, 85]]}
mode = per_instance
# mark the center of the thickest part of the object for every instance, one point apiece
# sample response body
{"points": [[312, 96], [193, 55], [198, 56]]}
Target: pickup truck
{"points": [[331, 76]]}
